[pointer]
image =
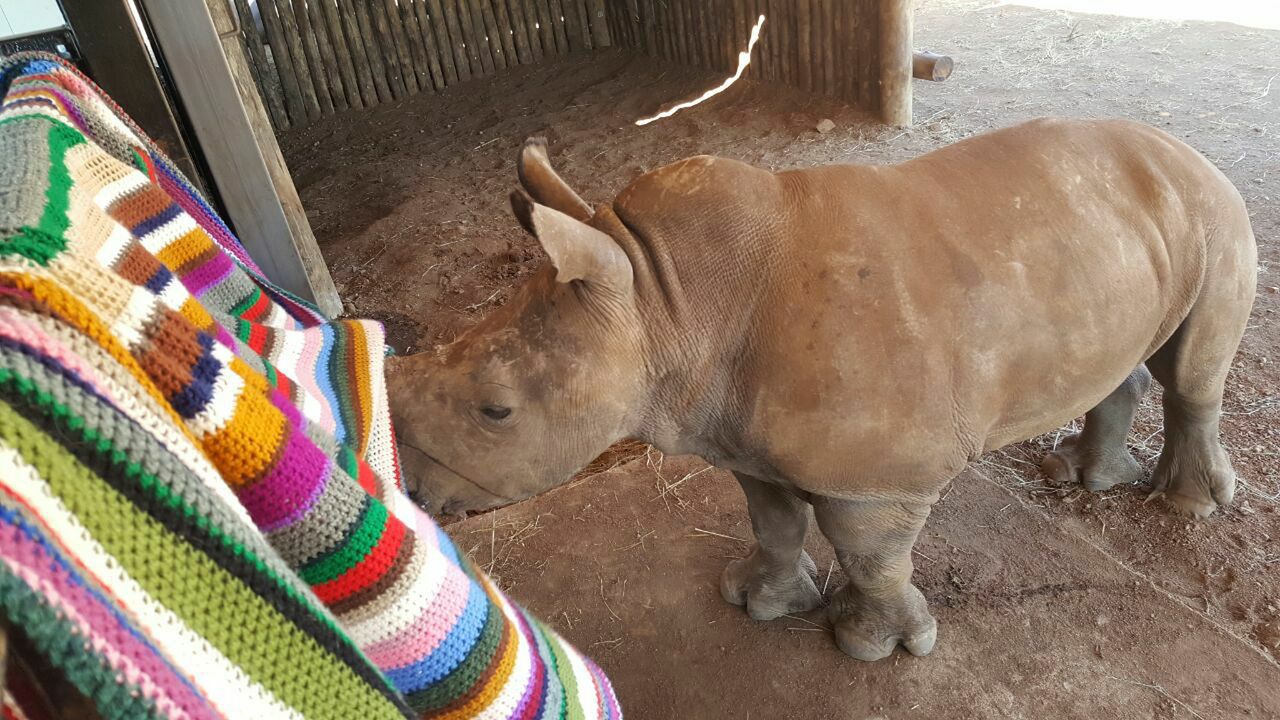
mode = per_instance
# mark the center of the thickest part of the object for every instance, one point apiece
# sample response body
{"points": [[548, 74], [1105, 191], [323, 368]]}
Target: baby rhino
{"points": [[849, 337]]}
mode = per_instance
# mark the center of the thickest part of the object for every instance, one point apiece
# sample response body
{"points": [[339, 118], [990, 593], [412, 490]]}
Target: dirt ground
{"points": [[1051, 602]]}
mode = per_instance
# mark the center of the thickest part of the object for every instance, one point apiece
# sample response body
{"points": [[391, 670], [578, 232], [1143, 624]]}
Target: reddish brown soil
{"points": [[1052, 602]]}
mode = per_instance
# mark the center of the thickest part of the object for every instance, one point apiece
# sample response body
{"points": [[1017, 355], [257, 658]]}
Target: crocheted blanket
{"points": [[200, 507]]}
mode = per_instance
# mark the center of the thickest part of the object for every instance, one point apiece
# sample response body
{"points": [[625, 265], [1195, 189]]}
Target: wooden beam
{"points": [[231, 125], [895, 62], [117, 59]]}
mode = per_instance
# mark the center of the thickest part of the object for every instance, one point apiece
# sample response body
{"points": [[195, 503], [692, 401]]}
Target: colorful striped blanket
{"points": [[200, 507]]}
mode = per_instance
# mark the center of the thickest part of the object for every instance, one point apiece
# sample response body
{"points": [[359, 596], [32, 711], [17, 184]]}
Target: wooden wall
{"points": [[825, 46], [310, 58]]}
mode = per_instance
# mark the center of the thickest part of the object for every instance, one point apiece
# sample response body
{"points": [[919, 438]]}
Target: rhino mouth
{"points": [[449, 505]]}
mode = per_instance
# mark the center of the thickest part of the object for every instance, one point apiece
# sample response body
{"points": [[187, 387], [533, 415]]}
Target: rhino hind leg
{"points": [[1097, 456], [878, 607], [1194, 472], [777, 578]]}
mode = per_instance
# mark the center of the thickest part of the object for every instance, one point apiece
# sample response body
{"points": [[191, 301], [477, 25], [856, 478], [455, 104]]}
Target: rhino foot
{"points": [[869, 627], [771, 589], [1097, 469], [1194, 473]]}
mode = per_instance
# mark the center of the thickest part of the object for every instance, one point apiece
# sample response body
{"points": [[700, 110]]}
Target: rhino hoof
{"points": [[869, 626], [1096, 470], [769, 591]]}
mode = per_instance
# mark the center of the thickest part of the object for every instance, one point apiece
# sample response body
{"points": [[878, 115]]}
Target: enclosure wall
{"points": [[825, 46], [311, 58]]}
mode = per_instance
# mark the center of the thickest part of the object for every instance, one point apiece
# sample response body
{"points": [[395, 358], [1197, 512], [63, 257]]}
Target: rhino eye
{"points": [[495, 412]]}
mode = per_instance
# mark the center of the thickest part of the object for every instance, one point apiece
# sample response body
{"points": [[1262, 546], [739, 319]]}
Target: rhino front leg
{"points": [[879, 607], [777, 578]]}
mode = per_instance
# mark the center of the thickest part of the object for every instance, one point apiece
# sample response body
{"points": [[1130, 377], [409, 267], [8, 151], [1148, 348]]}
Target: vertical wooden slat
{"points": [[616, 21], [421, 25], [557, 26], [704, 35], [572, 25], [515, 9], [481, 36], [495, 35], [665, 28], [599, 28], [324, 50], [531, 27], [444, 44], [679, 30], [546, 32], [843, 66], [342, 53], [507, 33], [769, 34], [469, 40], [584, 19], [359, 53], [283, 59], [489, 29], [306, 74], [402, 83], [373, 49], [422, 12], [868, 47], [265, 75], [417, 50], [804, 54], [458, 40], [735, 20]]}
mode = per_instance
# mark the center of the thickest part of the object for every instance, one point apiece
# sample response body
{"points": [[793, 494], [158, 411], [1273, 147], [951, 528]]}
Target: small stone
{"points": [[1164, 113], [825, 126], [1101, 620], [1273, 289]]}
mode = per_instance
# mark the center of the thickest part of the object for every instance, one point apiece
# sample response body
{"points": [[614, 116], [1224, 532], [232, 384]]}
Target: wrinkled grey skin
{"points": [[849, 338]]}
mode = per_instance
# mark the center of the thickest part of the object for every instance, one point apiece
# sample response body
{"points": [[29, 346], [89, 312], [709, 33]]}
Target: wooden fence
{"points": [[824, 46], [310, 58]]}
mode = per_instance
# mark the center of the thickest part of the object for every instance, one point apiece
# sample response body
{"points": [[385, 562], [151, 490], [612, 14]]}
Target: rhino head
{"points": [[542, 385]]}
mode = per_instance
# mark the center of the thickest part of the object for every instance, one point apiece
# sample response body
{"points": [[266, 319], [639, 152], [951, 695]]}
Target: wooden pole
{"points": [[931, 66], [373, 49], [494, 41], [599, 28], [531, 23], [342, 55], [520, 26], [895, 62], [508, 34], [293, 37], [328, 60], [359, 53], [293, 101], [458, 42], [417, 48], [268, 81], [435, 55], [231, 125]]}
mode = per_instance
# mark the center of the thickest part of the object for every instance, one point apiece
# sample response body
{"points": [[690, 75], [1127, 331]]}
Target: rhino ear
{"points": [[578, 251], [546, 187]]}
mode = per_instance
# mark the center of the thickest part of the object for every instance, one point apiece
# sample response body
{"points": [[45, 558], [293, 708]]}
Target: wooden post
{"points": [[373, 49], [895, 62], [284, 63], [505, 29], [444, 45], [425, 21], [326, 61], [359, 53], [343, 56], [231, 125], [599, 28], [268, 81], [119, 62], [301, 64]]}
